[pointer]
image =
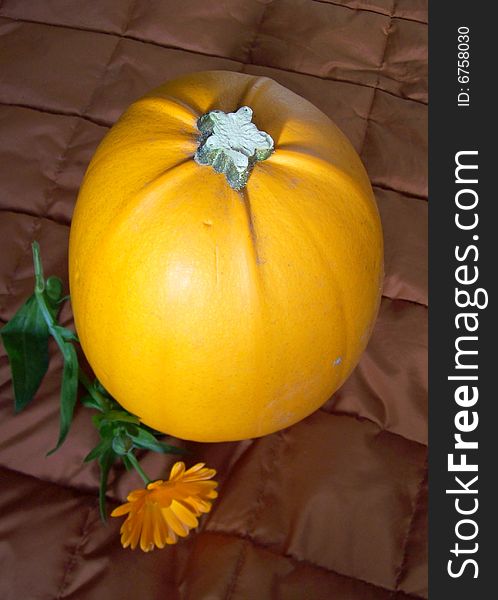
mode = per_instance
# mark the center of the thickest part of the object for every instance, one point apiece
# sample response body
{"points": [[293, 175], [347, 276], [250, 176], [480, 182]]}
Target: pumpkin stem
{"points": [[232, 144]]}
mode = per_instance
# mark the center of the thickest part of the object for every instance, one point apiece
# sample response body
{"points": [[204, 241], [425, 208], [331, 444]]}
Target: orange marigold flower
{"points": [[164, 510]]}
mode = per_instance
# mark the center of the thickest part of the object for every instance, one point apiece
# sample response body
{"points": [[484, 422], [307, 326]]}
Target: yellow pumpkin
{"points": [[216, 313]]}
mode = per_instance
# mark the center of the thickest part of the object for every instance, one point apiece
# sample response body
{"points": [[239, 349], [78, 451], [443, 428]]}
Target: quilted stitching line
{"points": [[57, 113], [258, 507], [252, 45], [87, 493], [124, 36], [73, 556], [60, 165], [382, 61], [360, 418], [370, 10], [301, 561], [405, 193], [235, 61], [34, 215], [400, 299], [416, 506], [367, 123]]}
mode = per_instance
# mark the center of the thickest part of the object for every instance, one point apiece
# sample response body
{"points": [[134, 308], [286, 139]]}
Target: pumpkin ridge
{"points": [[363, 194], [145, 197], [250, 223], [254, 88], [312, 162], [163, 102]]}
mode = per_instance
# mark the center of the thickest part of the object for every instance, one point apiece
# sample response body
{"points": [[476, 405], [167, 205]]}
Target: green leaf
{"points": [[69, 392], [121, 416], [99, 401], [101, 448], [101, 389], [66, 334], [90, 402], [143, 439], [25, 338], [106, 460], [53, 289], [39, 278], [122, 444], [96, 420], [106, 429]]}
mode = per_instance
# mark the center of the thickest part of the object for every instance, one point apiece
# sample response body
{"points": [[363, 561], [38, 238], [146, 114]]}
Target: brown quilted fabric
{"points": [[332, 508]]}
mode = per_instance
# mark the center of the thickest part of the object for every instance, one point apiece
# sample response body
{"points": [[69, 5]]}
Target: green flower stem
{"points": [[136, 465]]}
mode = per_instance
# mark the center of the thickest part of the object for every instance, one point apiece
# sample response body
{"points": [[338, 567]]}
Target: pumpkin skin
{"points": [[212, 314]]}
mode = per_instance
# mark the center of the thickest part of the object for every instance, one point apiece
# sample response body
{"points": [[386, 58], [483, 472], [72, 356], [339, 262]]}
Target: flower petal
{"points": [[154, 485], [122, 510], [195, 468], [135, 495], [177, 470], [171, 537], [147, 534], [174, 522], [199, 475], [203, 489], [132, 535], [195, 505], [160, 529], [184, 514]]}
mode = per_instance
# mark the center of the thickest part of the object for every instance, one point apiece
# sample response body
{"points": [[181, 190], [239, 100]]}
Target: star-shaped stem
{"points": [[232, 144]]}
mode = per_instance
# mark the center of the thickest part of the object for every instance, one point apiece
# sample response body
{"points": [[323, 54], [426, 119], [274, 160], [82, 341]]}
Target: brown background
{"points": [[332, 508]]}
